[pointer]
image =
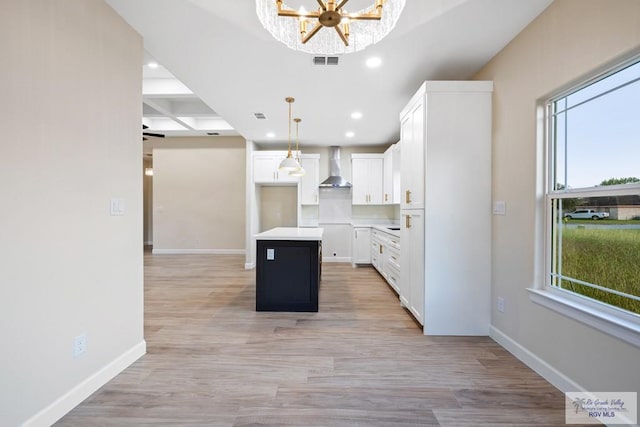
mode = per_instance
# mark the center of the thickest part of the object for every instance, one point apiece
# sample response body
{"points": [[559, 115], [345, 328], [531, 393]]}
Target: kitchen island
{"points": [[289, 264]]}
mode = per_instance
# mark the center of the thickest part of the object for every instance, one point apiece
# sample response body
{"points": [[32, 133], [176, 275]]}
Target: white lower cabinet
{"points": [[412, 257], [361, 253], [385, 256]]}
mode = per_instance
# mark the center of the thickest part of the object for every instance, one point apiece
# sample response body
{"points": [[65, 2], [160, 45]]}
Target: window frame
{"points": [[606, 318]]}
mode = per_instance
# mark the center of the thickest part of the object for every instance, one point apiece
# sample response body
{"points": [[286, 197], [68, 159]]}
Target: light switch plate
{"points": [[271, 254], [117, 206], [499, 207]]}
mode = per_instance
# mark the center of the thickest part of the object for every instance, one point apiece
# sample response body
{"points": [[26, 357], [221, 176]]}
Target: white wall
{"points": [[71, 110], [569, 39], [199, 195]]}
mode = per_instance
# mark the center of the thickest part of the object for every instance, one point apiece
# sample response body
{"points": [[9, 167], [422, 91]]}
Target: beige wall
{"points": [[569, 39], [71, 111], [278, 207], [199, 194]]}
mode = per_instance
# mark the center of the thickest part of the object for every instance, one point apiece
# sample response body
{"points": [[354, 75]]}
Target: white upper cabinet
{"points": [[391, 175], [265, 168], [412, 137], [366, 179], [310, 181]]}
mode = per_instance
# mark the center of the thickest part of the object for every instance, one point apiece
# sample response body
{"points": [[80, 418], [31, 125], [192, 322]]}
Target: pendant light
{"points": [[300, 171], [289, 164]]}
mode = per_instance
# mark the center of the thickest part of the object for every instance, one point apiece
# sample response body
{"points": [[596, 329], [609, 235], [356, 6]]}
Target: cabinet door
{"points": [[412, 129], [366, 180], [359, 182], [387, 177], [310, 181], [362, 245], [391, 175], [264, 169], [395, 174], [417, 152], [412, 262], [417, 284], [374, 173], [406, 161]]}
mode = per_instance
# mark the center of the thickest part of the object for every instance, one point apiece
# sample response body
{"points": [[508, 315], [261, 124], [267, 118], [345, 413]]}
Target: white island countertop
{"points": [[291, 233]]}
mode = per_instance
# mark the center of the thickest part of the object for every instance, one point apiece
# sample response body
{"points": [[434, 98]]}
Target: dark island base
{"points": [[287, 275]]}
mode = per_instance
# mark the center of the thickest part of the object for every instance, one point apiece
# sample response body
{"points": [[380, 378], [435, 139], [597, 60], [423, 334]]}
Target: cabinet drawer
{"points": [[393, 277], [393, 257], [393, 241]]}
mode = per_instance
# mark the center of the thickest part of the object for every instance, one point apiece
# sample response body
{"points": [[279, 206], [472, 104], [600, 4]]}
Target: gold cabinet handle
{"points": [[408, 196], [386, 197], [407, 221], [380, 248]]}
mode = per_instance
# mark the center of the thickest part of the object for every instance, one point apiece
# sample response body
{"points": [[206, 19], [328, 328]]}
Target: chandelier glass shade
{"points": [[331, 29]]}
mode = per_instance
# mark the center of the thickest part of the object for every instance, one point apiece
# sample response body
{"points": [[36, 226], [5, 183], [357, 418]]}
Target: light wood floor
{"points": [[360, 361]]}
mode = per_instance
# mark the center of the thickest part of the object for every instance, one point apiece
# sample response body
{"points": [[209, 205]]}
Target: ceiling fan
{"points": [[155, 135]]}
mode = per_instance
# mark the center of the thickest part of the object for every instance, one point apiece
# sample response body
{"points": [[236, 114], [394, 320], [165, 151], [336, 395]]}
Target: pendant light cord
{"points": [[289, 100]]}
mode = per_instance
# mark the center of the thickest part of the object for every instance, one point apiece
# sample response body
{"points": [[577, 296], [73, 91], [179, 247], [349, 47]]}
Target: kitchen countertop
{"points": [[380, 226], [291, 233]]}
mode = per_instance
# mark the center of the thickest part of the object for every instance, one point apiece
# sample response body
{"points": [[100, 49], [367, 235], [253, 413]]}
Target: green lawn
{"points": [[603, 221], [610, 258]]}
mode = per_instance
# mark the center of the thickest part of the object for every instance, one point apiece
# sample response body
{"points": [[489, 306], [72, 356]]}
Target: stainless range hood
{"points": [[335, 179]]}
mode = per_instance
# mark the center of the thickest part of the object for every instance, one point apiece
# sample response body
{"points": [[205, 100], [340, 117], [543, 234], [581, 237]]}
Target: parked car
{"points": [[586, 214]]}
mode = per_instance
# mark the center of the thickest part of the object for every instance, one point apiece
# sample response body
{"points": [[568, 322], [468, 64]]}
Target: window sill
{"points": [[622, 325]]}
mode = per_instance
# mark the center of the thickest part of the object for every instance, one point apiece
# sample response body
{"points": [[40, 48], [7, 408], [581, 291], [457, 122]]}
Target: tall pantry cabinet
{"points": [[445, 280]]}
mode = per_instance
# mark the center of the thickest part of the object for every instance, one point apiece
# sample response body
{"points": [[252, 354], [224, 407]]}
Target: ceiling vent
{"points": [[260, 116], [325, 60]]}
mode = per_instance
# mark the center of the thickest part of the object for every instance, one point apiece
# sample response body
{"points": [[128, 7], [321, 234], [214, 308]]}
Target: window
{"points": [[593, 190]]}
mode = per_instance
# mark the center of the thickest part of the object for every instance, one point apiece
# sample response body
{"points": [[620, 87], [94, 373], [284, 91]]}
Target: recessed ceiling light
{"points": [[350, 134], [271, 135], [153, 65], [356, 115], [373, 62]]}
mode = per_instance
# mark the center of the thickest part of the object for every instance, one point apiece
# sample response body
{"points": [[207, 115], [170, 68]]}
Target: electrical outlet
{"points": [[79, 345], [501, 304]]}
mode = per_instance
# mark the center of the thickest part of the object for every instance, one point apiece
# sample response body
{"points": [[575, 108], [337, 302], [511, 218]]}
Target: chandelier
{"points": [[330, 29]]}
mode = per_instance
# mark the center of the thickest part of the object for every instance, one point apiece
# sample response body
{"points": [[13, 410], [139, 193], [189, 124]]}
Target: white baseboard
{"points": [[336, 259], [198, 251], [77, 394], [545, 370], [249, 265]]}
